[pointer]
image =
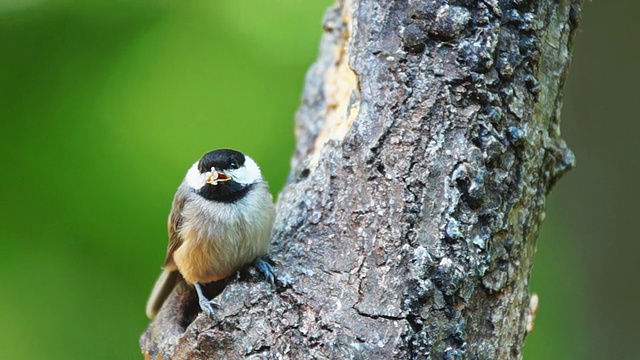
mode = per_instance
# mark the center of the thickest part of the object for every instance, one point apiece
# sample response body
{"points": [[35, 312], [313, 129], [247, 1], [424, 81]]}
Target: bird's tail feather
{"points": [[161, 290]]}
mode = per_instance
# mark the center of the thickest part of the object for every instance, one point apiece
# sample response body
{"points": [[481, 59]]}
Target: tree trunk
{"points": [[427, 141]]}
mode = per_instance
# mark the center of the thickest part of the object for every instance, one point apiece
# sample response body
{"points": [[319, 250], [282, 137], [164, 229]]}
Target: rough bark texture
{"points": [[427, 141]]}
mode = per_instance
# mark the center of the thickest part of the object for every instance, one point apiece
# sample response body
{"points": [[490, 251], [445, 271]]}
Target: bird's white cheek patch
{"points": [[248, 174], [194, 178]]}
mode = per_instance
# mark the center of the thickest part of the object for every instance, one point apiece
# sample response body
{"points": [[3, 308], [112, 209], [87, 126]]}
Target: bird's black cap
{"points": [[221, 159]]}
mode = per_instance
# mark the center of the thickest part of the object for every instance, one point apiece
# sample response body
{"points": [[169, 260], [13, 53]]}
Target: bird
{"points": [[220, 220]]}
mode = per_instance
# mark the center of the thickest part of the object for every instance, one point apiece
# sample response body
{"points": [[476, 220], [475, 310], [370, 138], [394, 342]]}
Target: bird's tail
{"points": [[161, 290]]}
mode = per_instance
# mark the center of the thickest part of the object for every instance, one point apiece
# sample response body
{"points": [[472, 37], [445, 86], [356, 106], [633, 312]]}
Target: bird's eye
{"points": [[233, 165]]}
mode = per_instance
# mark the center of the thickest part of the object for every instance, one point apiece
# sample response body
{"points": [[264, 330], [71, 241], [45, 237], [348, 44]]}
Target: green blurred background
{"points": [[104, 104]]}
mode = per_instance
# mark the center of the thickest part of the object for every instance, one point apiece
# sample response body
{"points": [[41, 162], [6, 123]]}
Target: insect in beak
{"points": [[214, 177]]}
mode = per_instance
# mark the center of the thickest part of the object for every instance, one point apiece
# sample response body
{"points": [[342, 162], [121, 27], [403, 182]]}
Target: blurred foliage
{"points": [[105, 104]]}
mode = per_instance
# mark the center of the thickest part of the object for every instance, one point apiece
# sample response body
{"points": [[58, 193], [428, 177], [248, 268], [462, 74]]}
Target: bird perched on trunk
{"points": [[220, 220]]}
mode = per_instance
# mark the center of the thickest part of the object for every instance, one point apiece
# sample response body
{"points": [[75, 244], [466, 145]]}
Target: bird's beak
{"points": [[214, 177]]}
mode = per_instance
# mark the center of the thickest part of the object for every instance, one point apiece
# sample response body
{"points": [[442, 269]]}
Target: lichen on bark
{"points": [[427, 141]]}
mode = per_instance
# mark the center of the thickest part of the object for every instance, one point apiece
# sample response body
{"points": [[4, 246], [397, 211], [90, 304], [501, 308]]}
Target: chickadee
{"points": [[220, 220]]}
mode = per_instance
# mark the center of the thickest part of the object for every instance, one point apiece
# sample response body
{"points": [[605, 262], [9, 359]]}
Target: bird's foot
{"points": [[205, 304], [206, 307], [266, 270]]}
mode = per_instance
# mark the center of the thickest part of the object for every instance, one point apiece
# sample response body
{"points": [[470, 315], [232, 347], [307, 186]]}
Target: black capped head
{"points": [[223, 175], [221, 160]]}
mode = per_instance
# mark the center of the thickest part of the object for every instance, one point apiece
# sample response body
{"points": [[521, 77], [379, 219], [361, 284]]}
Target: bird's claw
{"points": [[266, 269], [205, 304], [206, 307]]}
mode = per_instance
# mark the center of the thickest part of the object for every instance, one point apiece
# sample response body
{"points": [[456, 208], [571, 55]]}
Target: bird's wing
{"points": [[175, 221]]}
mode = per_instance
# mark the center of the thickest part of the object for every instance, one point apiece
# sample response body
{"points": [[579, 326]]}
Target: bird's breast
{"points": [[218, 242]]}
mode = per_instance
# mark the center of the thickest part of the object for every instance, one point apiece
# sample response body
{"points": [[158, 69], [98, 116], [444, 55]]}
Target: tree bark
{"points": [[427, 141]]}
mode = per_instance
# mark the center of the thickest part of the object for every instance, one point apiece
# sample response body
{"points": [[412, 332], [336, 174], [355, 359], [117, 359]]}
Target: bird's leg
{"points": [[265, 269], [205, 304]]}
